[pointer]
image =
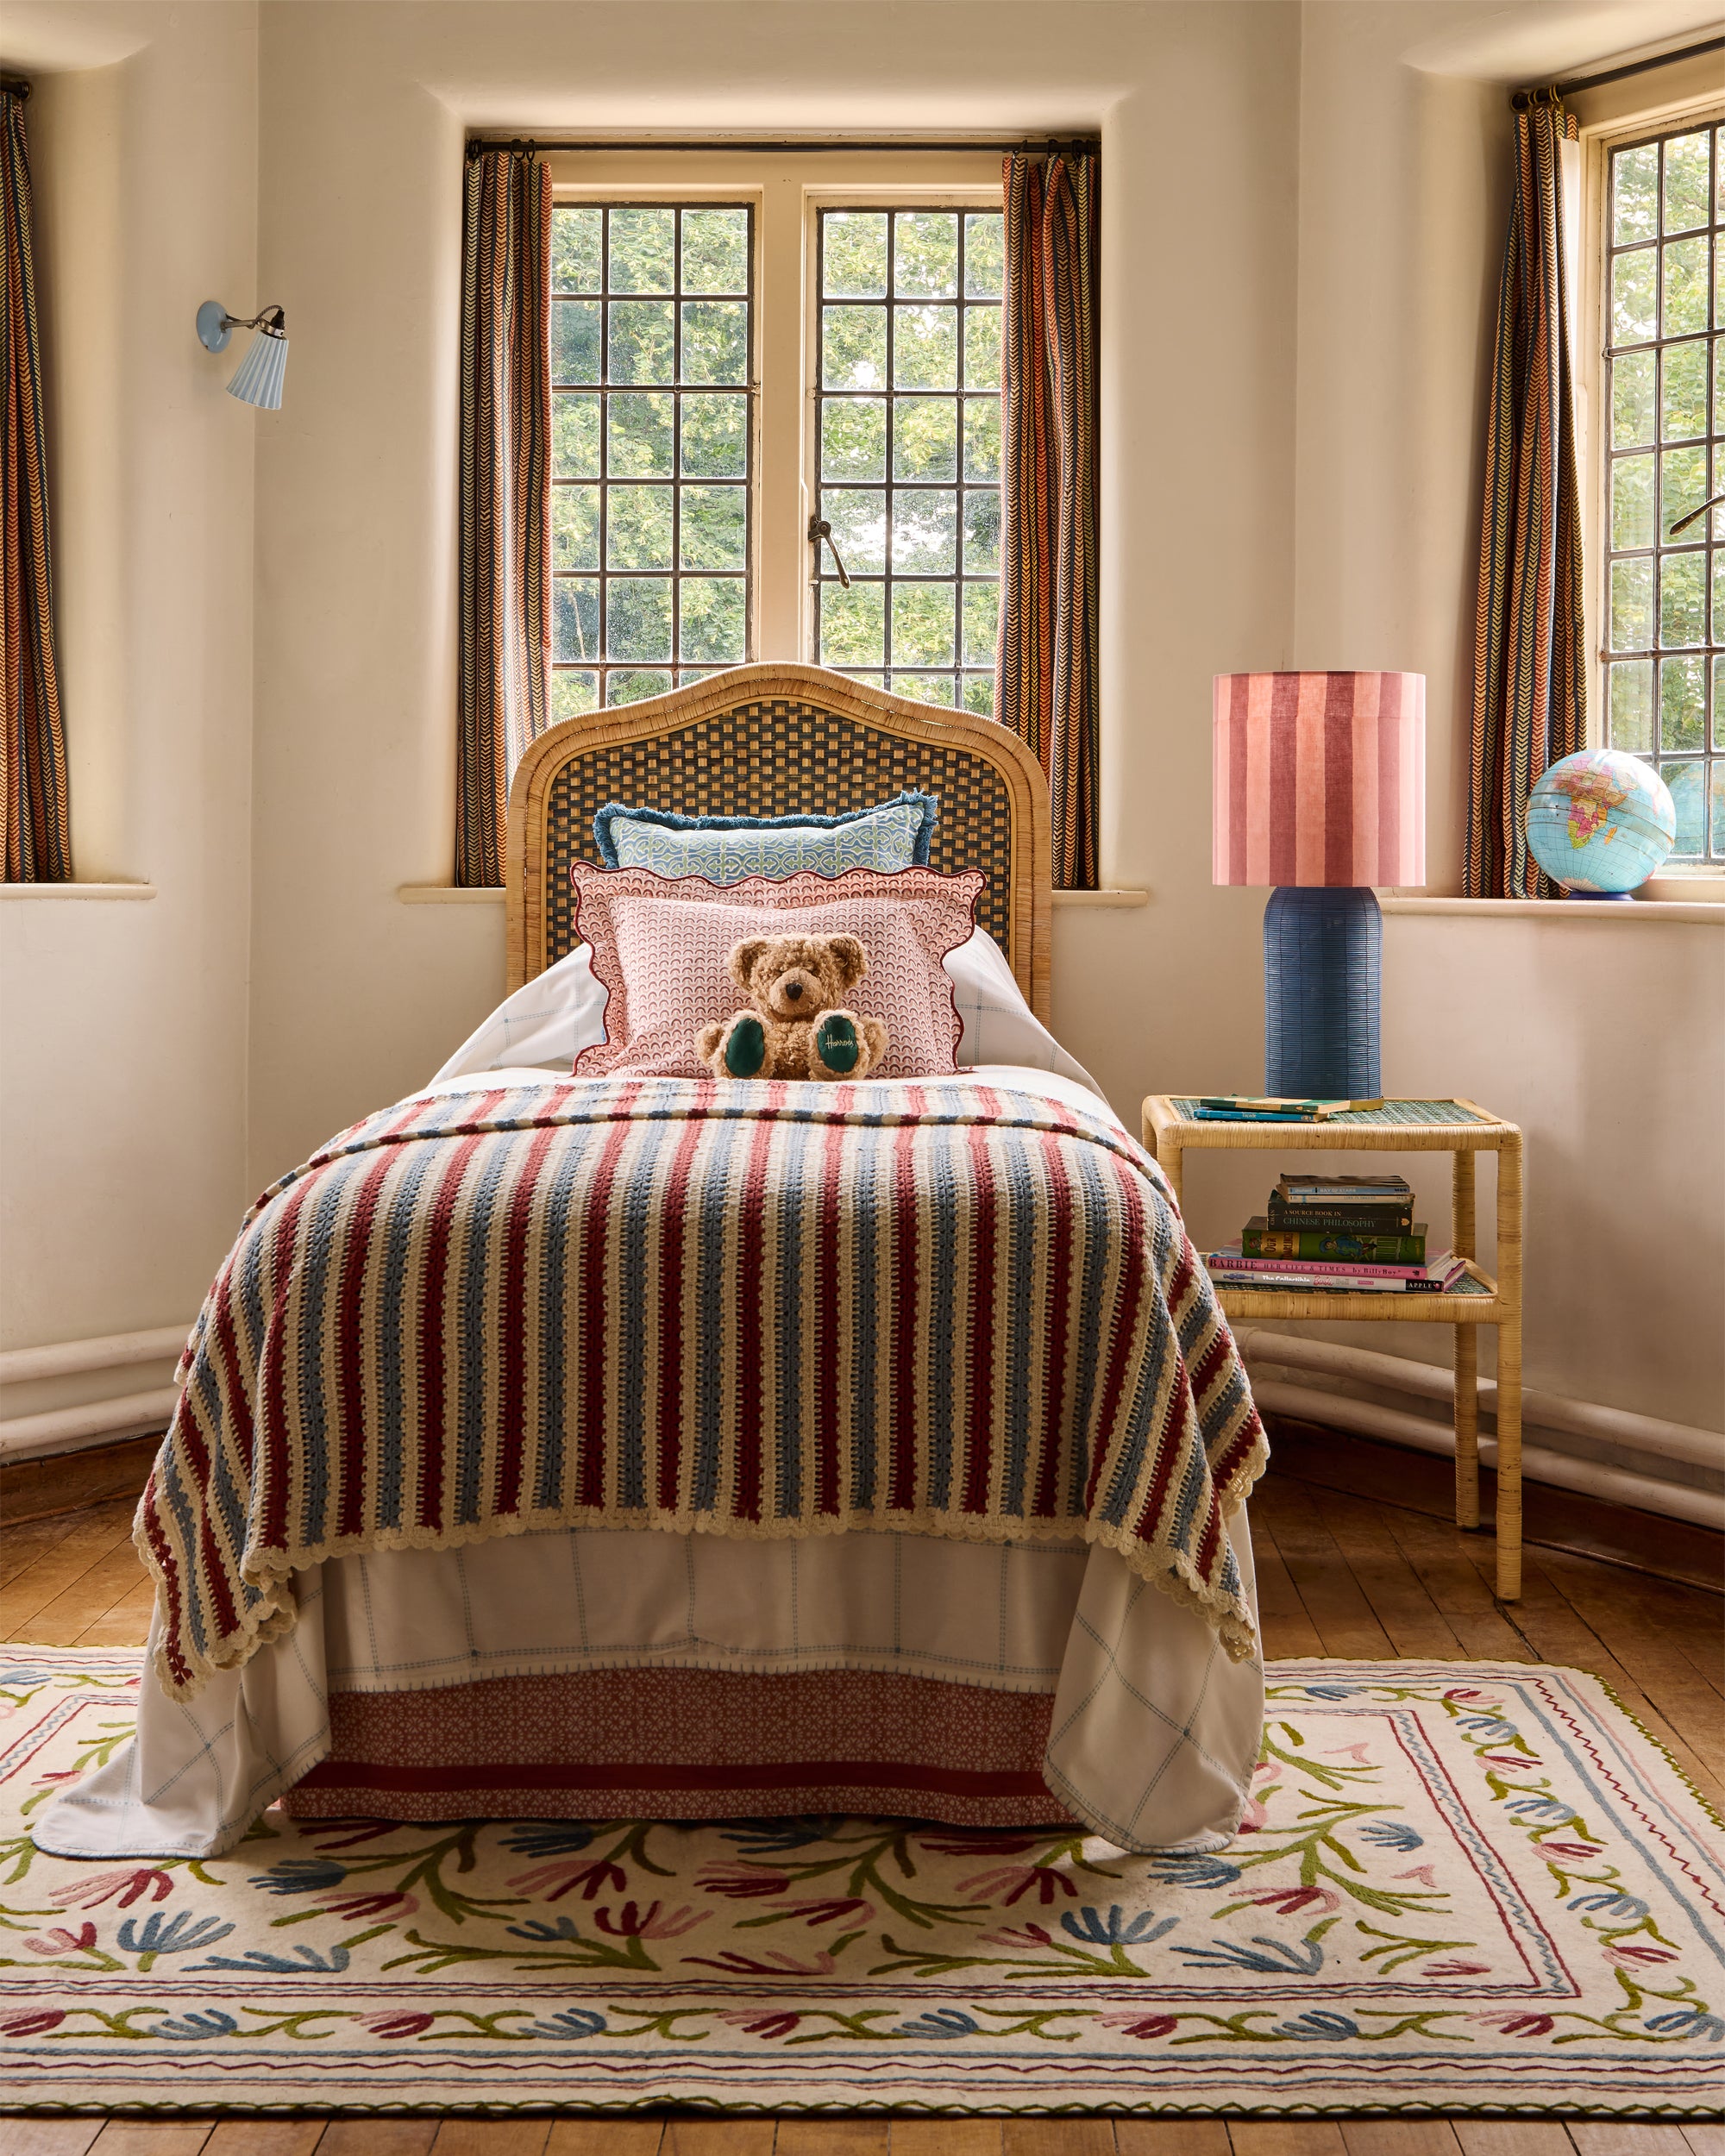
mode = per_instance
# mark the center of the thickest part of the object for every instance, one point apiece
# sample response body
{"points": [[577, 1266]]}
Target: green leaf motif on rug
{"points": [[1454, 1887]]}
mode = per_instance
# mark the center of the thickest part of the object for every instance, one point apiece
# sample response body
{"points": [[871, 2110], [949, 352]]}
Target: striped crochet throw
{"points": [[760, 1309]]}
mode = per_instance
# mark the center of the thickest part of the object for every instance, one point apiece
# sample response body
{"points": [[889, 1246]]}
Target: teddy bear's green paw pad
{"points": [[836, 1039], [745, 1047]]}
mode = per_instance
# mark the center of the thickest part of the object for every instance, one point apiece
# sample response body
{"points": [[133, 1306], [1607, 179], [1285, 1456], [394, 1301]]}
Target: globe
{"points": [[1600, 821]]}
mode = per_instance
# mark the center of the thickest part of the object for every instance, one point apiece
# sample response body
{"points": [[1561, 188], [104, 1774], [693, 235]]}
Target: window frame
{"points": [[819, 201], [1612, 118], [605, 576], [786, 189]]}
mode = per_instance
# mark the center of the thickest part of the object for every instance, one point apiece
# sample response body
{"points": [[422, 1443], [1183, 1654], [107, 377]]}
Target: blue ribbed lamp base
{"points": [[1322, 953]]}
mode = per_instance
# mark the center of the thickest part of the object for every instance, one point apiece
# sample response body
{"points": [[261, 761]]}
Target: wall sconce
{"points": [[258, 379]]}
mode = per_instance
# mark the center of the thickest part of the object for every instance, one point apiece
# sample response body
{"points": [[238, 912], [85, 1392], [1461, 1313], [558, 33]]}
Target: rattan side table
{"points": [[1462, 1128]]}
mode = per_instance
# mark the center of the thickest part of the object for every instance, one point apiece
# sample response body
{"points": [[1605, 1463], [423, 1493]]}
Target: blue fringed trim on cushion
{"points": [[669, 820]]}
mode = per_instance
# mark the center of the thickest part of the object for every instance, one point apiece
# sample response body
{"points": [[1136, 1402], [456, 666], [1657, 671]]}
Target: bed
{"points": [[525, 1541]]}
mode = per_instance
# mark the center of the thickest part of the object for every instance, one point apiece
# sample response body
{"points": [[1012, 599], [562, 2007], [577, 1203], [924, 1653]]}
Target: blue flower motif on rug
{"points": [[1456, 1887]]}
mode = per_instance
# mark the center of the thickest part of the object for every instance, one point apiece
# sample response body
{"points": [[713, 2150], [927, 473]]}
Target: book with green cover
{"points": [[1370, 1247]]}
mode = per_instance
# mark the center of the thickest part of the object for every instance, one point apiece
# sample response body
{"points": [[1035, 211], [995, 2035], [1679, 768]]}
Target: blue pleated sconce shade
{"points": [[258, 379]]}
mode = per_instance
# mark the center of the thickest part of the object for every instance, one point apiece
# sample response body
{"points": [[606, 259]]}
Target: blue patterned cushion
{"points": [[725, 849]]}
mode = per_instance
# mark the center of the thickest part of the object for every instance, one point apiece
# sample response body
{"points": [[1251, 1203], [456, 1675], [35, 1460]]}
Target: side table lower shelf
{"points": [[1463, 1131]]}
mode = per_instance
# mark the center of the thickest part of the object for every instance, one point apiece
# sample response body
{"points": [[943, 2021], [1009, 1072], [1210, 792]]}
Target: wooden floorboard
{"points": [[1335, 1600], [1356, 1556], [20, 1545], [1593, 1527], [111, 1579], [94, 1535], [1400, 1601], [850, 2137], [1288, 1631]]}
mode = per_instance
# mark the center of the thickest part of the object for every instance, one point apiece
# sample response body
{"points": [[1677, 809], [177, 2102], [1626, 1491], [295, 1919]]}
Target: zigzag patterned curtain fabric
{"points": [[1530, 666], [1045, 687], [506, 529], [33, 799]]}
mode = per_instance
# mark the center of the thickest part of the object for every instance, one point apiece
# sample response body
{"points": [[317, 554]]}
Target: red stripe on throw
{"points": [[167, 1573], [1213, 1362], [436, 1436], [511, 1380], [753, 1324], [350, 1510], [594, 1348], [908, 1340], [673, 1228], [828, 1335], [1122, 1349], [207, 1555], [979, 1450], [273, 1528], [1054, 1378]]}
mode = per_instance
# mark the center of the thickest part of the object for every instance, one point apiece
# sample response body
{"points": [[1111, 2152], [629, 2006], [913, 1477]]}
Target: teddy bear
{"points": [[797, 1028]]}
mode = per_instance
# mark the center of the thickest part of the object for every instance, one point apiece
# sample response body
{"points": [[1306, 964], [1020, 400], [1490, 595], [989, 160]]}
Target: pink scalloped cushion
{"points": [[660, 945]]}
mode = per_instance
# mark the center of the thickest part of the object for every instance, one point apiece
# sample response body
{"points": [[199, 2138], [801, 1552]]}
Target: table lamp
{"points": [[1320, 791]]}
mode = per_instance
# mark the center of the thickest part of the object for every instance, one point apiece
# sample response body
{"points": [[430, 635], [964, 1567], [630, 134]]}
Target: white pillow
{"points": [[547, 1023], [1000, 1026]]}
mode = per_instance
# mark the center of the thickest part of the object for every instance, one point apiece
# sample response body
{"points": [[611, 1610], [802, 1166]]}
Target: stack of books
{"points": [[1355, 1234]]}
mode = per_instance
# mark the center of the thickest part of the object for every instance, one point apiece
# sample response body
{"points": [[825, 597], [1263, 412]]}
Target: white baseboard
{"points": [[1309, 1378]]}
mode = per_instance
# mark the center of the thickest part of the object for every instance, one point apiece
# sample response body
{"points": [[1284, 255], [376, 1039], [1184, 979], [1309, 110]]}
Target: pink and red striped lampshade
{"points": [[1319, 779]]}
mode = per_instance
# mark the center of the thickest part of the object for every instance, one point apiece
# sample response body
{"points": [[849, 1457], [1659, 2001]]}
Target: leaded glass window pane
{"points": [[908, 429], [652, 480], [1664, 632]]}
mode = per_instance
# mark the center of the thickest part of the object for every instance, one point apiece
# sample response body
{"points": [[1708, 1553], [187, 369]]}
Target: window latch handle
{"points": [[1684, 522], [819, 528]]}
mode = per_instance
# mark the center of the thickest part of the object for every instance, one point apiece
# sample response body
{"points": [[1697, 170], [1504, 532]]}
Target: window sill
{"points": [[1706, 913], [452, 894], [78, 890], [1110, 898], [1695, 890]]}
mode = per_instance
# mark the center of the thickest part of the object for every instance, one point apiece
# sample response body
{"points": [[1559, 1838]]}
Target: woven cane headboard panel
{"points": [[767, 741]]}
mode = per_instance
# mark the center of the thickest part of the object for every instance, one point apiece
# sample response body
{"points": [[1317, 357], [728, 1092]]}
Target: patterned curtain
{"points": [[505, 624], [1530, 666], [1045, 664], [32, 747]]}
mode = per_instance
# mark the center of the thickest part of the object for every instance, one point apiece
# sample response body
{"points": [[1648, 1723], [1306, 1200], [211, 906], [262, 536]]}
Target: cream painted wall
{"points": [[1304, 213], [1606, 1041], [356, 996], [122, 1026]]}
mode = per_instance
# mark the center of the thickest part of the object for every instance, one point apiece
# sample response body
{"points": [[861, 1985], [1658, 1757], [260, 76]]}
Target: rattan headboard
{"points": [[765, 741]]}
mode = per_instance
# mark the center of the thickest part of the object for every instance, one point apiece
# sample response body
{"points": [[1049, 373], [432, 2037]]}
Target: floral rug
{"points": [[1459, 1887]]}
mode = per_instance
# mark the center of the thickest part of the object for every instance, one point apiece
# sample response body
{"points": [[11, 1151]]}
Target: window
{"points": [[908, 438], [651, 501], [1662, 429], [747, 344]]}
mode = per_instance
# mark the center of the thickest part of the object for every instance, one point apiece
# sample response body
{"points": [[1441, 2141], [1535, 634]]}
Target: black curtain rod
{"points": [[1619, 74], [19, 85], [534, 144]]}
